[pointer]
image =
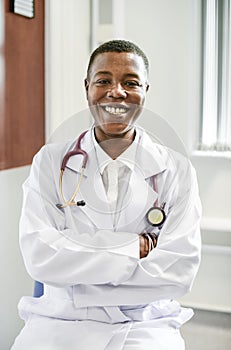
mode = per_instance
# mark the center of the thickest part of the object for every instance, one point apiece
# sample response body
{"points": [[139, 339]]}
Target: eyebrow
{"points": [[104, 72], [132, 75]]}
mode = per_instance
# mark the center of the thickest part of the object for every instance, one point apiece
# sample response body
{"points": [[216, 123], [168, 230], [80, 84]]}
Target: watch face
{"points": [[156, 216]]}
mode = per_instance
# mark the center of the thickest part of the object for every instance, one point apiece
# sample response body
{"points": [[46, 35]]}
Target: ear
{"points": [[86, 84]]}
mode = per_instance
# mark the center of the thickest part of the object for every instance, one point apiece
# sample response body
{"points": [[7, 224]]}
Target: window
{"points": [[216, 103]]}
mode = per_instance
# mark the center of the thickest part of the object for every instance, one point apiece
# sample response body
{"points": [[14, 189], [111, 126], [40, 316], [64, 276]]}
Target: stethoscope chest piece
{"points": [[156, 216]]}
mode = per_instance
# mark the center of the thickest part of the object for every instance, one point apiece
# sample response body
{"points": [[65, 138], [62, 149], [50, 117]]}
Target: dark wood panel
{"points": [[24, 87], [2, 85]]}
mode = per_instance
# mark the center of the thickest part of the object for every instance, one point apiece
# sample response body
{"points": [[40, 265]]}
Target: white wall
{"points": [[67, 52], [14, 280], [169, 33]]}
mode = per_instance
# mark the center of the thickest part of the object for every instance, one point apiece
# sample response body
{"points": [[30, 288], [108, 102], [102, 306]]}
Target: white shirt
{"points": [[116, 173]]}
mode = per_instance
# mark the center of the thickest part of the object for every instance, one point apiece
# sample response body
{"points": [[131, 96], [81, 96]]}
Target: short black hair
{"points": [[118, 46]]}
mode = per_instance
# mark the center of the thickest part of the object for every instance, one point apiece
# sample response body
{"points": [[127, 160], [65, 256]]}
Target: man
{"points": [[114, 251]]}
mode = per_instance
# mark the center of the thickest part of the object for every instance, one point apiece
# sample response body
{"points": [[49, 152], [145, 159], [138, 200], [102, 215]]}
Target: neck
{"points": [[114, 145]]}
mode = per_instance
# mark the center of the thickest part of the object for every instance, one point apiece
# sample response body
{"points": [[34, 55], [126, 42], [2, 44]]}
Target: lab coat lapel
{"points": [[140, 196], [138, 199], [92, 190]]}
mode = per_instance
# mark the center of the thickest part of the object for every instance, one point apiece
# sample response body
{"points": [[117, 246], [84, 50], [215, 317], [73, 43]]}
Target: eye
{"points": [[102, 82], [132, 84]]}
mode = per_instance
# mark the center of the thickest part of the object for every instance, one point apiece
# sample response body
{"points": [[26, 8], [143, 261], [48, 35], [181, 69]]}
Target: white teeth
{"points": [[114, 110]]}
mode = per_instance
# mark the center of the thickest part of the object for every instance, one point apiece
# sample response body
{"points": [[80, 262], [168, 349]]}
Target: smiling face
{"points": [[116, 88]]}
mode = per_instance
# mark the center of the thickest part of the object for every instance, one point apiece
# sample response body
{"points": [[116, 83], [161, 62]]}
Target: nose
{"points": [[117, 91]]}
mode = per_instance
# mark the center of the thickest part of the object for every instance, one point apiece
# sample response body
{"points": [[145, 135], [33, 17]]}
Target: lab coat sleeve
{"points": [[48, 254], [169, 269]]}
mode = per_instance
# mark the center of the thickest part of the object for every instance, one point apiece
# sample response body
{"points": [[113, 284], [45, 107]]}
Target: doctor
{"points": [[110, 273]]}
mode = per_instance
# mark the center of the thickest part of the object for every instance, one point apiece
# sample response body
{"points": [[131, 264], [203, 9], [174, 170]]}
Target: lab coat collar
{"points": [[150, 157]]}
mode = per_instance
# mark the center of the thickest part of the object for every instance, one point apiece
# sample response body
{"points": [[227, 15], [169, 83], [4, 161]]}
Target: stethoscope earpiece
{"points": [[81, 203], [78, 204]]}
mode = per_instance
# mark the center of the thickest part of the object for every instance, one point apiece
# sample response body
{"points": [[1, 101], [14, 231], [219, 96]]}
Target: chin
{"points": [[115, 129]]}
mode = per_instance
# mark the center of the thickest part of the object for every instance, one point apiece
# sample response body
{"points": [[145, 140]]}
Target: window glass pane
{"points": [[216, 112]]}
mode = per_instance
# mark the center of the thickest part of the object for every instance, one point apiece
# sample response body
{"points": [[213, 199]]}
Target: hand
{"points": [[144, 246]]}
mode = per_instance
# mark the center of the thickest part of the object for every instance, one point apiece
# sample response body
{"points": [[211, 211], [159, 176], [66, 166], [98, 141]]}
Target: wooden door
{"points": [[21, 85]]}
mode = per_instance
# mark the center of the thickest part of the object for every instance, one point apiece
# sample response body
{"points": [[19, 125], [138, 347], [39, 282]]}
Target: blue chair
{"points": [[38, 289]]}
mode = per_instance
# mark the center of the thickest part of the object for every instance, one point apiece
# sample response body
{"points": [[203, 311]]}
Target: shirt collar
{"points": [[127, 158]]}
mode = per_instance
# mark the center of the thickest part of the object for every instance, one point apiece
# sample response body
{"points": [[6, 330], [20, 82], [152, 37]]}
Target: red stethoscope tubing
{"points": [[77, 150]]}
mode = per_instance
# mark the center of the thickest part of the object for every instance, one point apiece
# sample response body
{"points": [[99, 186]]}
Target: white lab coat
{"points": [[97, 290]]}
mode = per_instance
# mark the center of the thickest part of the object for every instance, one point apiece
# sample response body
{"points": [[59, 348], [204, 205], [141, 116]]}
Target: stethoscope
{"points": [[77, 150], [155, 216]]}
